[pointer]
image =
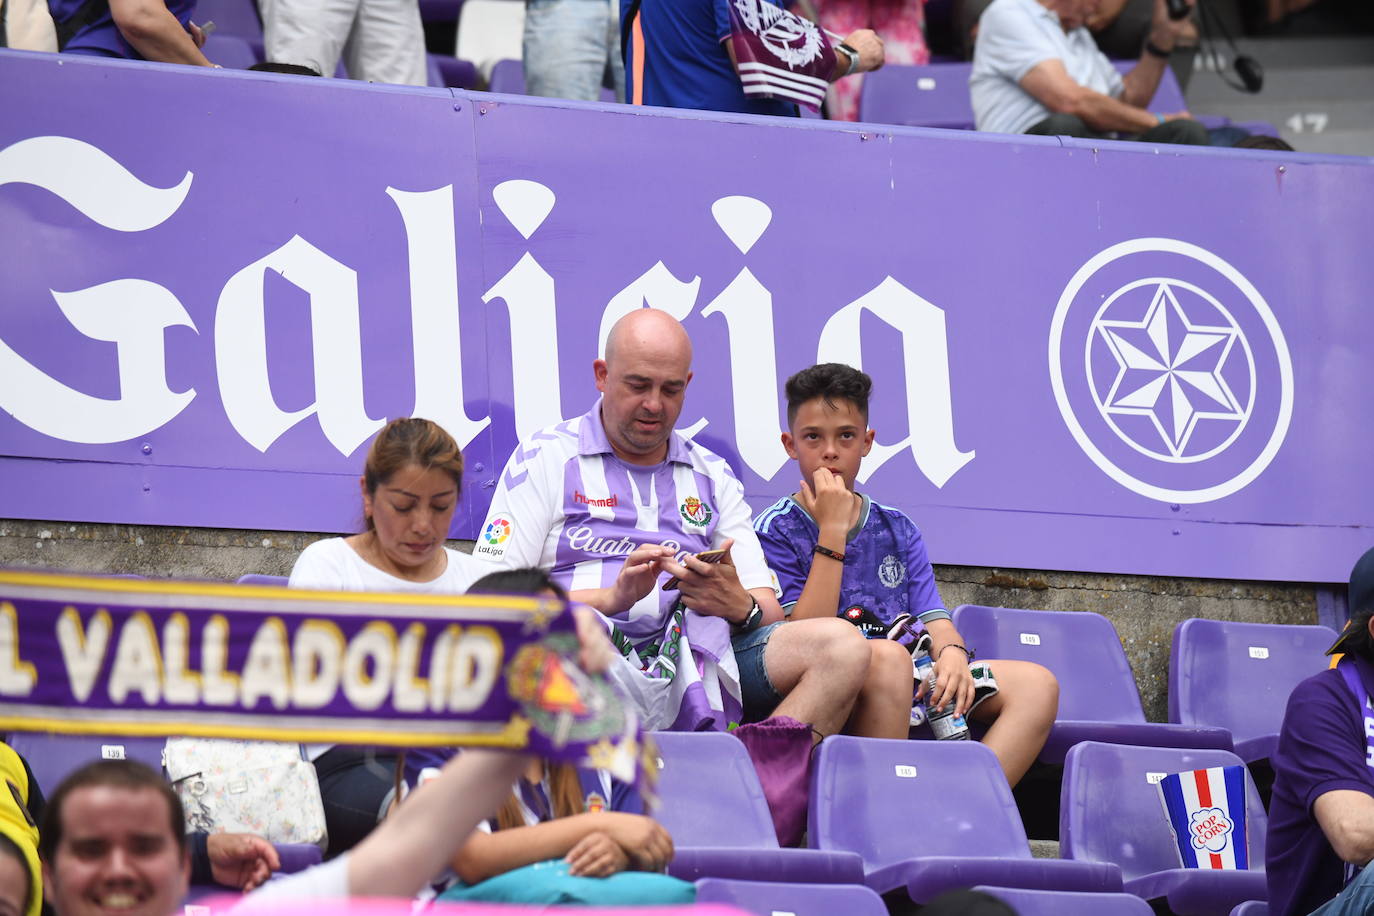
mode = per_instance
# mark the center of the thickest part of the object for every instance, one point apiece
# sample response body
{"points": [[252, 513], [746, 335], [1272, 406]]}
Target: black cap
{"points": [[1360, 600]]}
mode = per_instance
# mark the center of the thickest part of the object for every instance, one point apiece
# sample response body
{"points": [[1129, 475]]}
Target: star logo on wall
{"points": [[1170, 370]]}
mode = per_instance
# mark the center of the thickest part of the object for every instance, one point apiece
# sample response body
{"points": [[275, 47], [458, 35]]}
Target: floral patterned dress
{"points": [[899, 23]]}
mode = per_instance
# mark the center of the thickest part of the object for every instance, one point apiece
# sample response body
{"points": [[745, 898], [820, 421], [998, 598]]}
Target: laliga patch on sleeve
{"points": [[1205, 810], [495, 537]]}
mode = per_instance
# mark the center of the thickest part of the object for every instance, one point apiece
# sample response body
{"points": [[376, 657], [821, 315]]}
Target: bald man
{"points": [[615, 503]]}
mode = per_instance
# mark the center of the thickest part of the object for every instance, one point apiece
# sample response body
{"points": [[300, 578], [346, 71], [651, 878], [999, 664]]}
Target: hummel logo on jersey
{"points": [[610, 502]]}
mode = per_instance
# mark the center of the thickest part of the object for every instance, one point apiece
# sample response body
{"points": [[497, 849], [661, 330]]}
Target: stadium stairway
{"points": [[1318, 91]]}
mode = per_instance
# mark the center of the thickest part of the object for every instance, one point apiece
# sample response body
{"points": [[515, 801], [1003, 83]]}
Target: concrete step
{"points": [[1299, 118], [1287, 53], [1306, 85]]}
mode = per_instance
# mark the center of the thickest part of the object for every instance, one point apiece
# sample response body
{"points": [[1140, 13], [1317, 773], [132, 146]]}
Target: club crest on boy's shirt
{"points": [[695, 512], [891, 571]]}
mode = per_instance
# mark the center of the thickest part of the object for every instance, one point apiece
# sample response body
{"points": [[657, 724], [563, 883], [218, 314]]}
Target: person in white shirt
{"points": [[410, 487], [1037, 70], [113, 837]]}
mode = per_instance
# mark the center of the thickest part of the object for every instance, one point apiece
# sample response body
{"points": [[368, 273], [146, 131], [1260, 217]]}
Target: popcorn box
{"points": [[1206, 812]]}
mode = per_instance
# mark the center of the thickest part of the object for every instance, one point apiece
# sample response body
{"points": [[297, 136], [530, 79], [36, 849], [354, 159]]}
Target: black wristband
{"points": [[1155, 50], [954, 645], [827, 552]]}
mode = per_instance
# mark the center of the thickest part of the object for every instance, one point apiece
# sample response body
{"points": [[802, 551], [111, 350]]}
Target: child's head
{"points": [[827, 420]]}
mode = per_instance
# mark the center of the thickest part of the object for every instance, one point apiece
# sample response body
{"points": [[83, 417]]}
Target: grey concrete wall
{"points": [[1144, 609]]}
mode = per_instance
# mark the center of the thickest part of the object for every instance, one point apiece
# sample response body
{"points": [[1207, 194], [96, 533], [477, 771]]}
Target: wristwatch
{"points": [[853, 57], [751, 620]]}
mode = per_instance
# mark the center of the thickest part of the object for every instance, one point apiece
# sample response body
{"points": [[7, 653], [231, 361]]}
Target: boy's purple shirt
{"points": [[886, 569]]}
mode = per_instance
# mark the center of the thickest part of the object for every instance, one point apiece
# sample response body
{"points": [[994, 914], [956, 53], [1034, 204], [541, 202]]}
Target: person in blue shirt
{"points": [[677, 54], [836, 551], [157, 30]]}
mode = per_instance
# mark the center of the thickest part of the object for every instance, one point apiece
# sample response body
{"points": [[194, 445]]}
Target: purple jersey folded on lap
{"points": [[886, 570]]}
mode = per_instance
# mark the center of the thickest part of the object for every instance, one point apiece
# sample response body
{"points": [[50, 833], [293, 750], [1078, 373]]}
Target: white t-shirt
{"points": [[1014, 36], [333, 565], [327, 881]]}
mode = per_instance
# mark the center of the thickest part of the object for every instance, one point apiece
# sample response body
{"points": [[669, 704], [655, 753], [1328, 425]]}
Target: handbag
{"points": [[261, 787], [781, 750]]}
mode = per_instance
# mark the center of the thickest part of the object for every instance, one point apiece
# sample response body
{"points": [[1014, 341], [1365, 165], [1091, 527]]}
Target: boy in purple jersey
{"points": [[835, 551]]}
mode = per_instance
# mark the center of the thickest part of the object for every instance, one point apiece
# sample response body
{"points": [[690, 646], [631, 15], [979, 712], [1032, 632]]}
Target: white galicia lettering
{"points": [[305, 669], [136, 314], [583, 539]]}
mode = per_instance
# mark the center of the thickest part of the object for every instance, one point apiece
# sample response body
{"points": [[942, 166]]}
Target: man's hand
{"points": [[241, 860], [953, 682], [870, 48], [827, 500], [1176, 116], [1166, 33], [643, 839], [638, 576], [197, 34], [712, 589], [595, 652], [596, 855]]}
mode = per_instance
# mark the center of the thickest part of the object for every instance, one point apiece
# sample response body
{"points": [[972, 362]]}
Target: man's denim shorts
{"points": [[760, 699]]}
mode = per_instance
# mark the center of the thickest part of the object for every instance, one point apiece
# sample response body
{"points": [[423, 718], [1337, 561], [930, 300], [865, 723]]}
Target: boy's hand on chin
{"points": [[827, 500]]}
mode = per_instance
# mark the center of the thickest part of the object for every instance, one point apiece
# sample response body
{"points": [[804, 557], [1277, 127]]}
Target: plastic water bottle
{"points": [[943, 722]]}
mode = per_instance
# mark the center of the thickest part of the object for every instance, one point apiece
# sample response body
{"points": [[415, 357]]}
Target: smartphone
{"points": [[706, 556]]}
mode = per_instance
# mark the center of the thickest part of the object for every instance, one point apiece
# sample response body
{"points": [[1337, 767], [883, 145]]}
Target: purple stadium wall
{"points": [[1112, 357]]}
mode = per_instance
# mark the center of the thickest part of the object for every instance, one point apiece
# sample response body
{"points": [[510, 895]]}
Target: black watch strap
{"points": [[853, 57], [752, 619], [1155, 50]]}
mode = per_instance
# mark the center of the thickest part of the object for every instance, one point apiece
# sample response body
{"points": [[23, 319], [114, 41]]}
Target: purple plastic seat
{"points": [[440, 10], [450, 72], [231, 52], [294, 857], [231, 17], [1110, 812], [1067, 903], [767, 898], [508, 77], [52, 757], [935, 95], [713, 805], [1238, 676], [258, 579], [931, 816], [1098, 699]]}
